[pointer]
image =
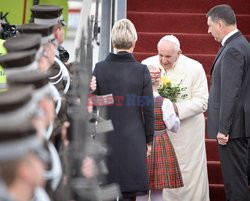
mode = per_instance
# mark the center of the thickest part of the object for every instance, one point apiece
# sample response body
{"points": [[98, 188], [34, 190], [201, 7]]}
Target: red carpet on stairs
{"points": [[186, 19]]}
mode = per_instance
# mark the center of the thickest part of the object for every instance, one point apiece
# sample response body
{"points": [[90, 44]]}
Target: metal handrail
{"points": [[83, 22]]}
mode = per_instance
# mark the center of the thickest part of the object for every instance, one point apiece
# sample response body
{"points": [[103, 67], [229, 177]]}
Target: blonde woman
{"points": [[132, 113]]}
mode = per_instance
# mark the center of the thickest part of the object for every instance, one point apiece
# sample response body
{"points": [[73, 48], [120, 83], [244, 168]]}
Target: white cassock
{"points": [[189, 141]]}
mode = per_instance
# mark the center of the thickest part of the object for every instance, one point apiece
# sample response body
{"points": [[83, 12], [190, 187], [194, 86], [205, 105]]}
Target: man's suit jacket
{"points": [[229, 98], [133, 118]]}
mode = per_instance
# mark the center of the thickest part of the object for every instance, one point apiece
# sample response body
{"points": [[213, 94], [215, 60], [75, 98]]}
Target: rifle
{"points": [[83, 129]]}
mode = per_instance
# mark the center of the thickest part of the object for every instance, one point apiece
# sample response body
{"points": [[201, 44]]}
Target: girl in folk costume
{"points": [[163, 167]]}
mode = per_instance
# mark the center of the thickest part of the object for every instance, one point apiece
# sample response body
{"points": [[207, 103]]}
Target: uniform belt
{"points": [[160, 132]]}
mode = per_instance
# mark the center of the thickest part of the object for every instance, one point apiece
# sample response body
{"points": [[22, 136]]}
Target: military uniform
{"points": [[46, 59], [42, 89], [55, 76], [18, 139], [52, 15], [18, 144], [48, 14]]}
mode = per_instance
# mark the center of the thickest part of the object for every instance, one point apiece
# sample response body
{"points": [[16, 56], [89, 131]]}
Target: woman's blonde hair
{"points": [[123, 34]]}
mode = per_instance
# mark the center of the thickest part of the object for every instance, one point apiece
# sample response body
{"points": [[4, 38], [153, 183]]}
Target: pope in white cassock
{"points": [[189, 141]]}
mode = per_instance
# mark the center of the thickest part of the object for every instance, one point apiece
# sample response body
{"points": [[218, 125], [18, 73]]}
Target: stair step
{"points": [[178, 22], [216, 192], [214, 172], [186, 19], [239, 6], [190, 43], [212, 150], [205, 59]]}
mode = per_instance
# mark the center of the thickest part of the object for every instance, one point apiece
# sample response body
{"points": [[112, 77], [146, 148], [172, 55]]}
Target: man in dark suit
{"points": [[228, 105], [132, 114]]}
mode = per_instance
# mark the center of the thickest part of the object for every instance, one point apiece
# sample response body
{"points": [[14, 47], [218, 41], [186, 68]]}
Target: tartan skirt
{"points": [[163, 167]]}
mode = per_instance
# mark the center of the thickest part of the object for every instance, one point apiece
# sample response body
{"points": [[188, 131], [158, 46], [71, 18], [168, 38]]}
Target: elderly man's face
{"points": [[168, 54]]}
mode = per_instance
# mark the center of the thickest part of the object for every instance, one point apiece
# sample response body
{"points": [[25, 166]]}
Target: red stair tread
{"points": [[201, 6], [214, 172], [216, 192], [178, 22], [186, 19], [212, 150], [190, 43], [139, 56]]}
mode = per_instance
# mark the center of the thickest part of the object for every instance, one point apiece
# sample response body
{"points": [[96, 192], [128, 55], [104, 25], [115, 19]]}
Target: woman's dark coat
{"points": [[132, 116]]}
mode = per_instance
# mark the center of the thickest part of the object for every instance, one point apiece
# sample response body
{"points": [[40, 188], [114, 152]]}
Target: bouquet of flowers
{"points": [[169, 90]]}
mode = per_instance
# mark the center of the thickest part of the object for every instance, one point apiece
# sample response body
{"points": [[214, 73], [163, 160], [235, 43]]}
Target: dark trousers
{"points": [[234, 162], [127, 199], [248, 167], [128, 196]]}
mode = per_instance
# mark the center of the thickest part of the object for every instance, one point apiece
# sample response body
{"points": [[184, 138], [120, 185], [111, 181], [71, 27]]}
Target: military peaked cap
{"points": [[48, 14]]}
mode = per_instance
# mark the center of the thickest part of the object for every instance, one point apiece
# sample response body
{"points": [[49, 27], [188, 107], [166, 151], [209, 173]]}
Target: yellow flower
{"points": [[170, 90], [165, 80]]}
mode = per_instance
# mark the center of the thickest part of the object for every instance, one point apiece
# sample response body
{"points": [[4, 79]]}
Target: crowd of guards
{"points": [[35, 83]]}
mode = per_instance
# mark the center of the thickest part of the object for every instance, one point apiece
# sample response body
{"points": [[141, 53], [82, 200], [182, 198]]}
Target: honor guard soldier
{"points": [[49, 14], [32, 40], [48, 52], [22, 64], [42, 94], [22, 164], [19, 139], [52, 15], [43, 121], [57, 77], [24, 42]]}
